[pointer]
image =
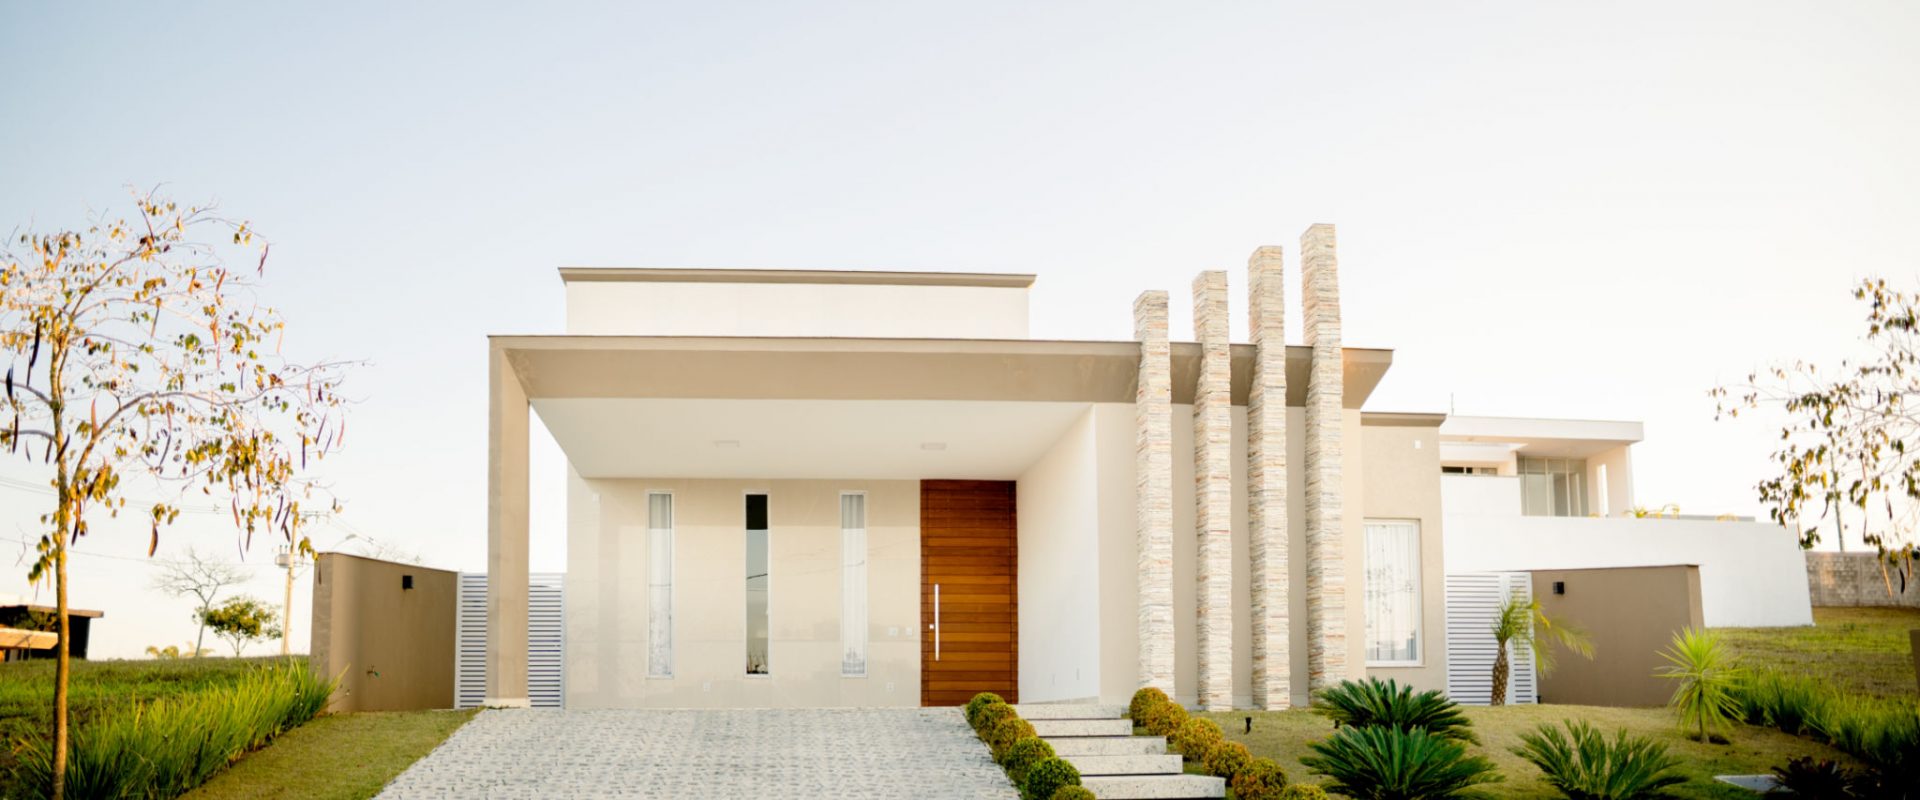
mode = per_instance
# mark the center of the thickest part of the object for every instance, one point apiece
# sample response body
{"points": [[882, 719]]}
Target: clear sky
{"points": [[1549, 209]]}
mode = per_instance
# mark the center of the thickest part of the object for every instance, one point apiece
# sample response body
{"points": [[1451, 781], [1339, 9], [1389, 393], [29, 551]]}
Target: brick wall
{"points": [[1855, 579]]}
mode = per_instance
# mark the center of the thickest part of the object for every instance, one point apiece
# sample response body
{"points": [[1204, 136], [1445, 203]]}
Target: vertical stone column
{"points": [[1267, 481], [1153, 495], [507, 520], [1326, 559], [1213, 491]]}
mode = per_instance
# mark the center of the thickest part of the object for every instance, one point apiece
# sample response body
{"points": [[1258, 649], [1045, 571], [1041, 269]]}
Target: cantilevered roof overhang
{"points": [[883, 369]]}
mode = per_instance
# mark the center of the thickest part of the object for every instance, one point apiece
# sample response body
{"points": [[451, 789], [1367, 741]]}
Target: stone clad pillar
{"points": [[1326, 559], [1267, 481], [1153, 496], [507, 520], [1213, 491]]}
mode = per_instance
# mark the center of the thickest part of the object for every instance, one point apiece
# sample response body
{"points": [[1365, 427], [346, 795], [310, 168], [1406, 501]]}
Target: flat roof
{"points": [[995, 280], [71, 612]]}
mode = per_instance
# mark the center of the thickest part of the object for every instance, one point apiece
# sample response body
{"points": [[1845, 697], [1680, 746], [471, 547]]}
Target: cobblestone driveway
{"points": [[783, 753]]}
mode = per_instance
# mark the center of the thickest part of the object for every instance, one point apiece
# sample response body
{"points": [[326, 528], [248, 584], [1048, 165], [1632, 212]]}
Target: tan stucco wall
{"points": [[607, 603], [1631, 614], [1401, 481], [391, 648]]}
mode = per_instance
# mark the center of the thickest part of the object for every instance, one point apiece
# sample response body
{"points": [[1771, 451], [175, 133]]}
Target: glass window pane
{"points": [[758, 585], [1392, 592], [853, 584], [660, 585]]}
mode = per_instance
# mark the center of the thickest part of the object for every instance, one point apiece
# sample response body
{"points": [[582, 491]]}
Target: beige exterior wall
{"points": [[391, 647], [1401, 481], [607, 596], [1058, 501], [1631, 614], [649, 308]]}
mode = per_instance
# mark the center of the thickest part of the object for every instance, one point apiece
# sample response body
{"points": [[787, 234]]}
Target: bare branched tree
{"points": [[203, 579]]}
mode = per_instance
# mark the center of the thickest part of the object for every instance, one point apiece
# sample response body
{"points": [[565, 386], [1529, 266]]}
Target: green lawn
{"points": [[338, 757], [1283, 736], [1860, 650]]}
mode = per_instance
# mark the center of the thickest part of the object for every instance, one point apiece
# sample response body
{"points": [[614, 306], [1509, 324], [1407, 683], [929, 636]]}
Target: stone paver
{"points": [[786, 753]]}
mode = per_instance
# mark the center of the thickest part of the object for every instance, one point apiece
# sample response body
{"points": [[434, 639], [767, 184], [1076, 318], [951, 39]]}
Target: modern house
{"points": [[29, 631], [827, 488]]}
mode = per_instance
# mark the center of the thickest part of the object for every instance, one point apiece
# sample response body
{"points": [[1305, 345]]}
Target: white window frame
{"points": [[856, 634], [673, 585], [1419, 595]]}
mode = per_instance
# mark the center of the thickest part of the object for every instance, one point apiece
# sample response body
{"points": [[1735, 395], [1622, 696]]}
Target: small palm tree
{"points": [[1522, 622], [1708, 680]]}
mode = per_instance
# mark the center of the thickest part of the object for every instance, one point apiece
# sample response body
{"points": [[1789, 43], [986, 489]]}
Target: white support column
{"points": [[1213, 491], [1326, 560], [1153, 476], [507, 521], [1267, 481]]}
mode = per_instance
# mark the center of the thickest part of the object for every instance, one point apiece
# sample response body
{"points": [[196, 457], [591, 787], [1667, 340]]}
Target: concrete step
{"points": [[1049, 728], [1155, 787], [1126, 765], [1108, 745], [1070, 711]]}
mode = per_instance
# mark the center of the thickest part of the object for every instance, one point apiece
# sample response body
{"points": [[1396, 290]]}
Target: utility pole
{"points": [[286, 560]]}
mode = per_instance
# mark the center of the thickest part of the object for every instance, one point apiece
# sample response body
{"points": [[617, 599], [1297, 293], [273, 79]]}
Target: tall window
{"points": [[758, 584], [1553, 487], [1393, 592], [853, 584], [660, 585]]}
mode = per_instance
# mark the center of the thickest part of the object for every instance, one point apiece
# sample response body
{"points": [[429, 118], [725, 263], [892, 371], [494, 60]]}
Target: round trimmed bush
{"points": [[1003, 734], [1196, 738], [1073, 793], [1047, 775], [1303, 791], [1228, 759], [989, 714], [1164, 719], [1145, 699], [980, 701], [1023, 755], [1261, 780]]}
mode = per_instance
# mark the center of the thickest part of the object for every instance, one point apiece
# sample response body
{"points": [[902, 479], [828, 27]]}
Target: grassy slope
{"points": [[1284, 735], [1860, 650], [339, 757]]}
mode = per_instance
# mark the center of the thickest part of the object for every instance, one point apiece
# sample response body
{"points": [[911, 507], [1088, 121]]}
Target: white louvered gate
{"points": [[1473, 603], [546, 641]]}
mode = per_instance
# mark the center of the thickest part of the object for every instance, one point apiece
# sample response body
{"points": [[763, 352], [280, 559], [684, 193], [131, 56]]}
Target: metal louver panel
{"points": [[1473, 603], [546, 641]]}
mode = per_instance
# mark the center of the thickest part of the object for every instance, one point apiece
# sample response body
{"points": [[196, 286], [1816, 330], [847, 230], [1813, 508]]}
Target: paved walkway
{"points": [[778, 753]]}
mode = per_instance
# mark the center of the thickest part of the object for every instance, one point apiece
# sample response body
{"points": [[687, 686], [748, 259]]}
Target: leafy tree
{"points": [[241, 620], [173, 651], [1522, 622], [1850, 446], [203, 579], [135, 354]]}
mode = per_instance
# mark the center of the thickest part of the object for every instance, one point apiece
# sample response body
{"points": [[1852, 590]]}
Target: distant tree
{"points": [[241, 620], [1521, 622], [172, 651], [134, 351], [1851, 442], [203, 579]]}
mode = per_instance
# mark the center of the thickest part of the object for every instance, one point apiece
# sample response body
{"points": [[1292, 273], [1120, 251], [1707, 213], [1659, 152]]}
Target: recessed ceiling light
{"points": [[933, 445], [726, 443]]}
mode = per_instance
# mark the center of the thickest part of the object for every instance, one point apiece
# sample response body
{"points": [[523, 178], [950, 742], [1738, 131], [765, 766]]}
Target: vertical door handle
{"points": [[936, 622]]}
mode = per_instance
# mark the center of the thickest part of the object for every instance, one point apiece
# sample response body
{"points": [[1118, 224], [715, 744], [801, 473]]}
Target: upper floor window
{"points": [[1553, 487]]}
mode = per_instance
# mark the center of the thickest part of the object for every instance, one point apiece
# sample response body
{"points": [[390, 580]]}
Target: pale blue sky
{"points": [[1553, 209]]}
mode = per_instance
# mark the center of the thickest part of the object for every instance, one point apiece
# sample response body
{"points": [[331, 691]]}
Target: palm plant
{"points": [[1384, 763], [1374, 702], [1522, 622], [1707, 694], [1584, 765]]}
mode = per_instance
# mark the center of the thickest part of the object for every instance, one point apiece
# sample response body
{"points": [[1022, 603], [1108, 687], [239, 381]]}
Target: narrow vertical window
{"points": [[758, 584], [660, 585], [853, 584], [1393, 593]]}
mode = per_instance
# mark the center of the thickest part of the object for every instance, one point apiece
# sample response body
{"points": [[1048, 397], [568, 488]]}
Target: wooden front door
{"points": [[969, 609]]}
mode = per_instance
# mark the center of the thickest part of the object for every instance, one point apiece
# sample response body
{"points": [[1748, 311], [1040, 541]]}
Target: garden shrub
{"points": [[1023, 755], [980, 701], [1303, 791], [166, 747], [1142, 701], [1705, 679], [1073, 793], [1196, 739], [1003, 734], [1164, 719], [1583, 763], [1385, 763], [1883, 733], [1774, 699], [1046, 776], [1228, 760], [1375, 702], [989, 715], [1819, 779], [1260, 779]]}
